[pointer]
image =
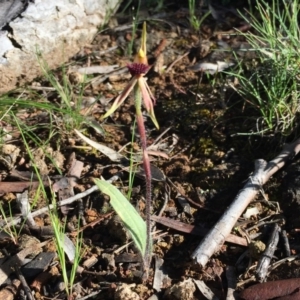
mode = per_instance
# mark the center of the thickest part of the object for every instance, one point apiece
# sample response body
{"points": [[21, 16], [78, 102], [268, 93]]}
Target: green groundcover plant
{"points": [[271, 85], [273, 88]]}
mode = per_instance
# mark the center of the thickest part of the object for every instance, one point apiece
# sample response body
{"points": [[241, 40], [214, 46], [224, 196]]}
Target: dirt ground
{"points": [[200, 156]]}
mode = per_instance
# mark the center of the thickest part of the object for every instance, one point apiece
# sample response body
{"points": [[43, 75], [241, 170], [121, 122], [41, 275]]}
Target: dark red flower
{"points": [[137, 69]]}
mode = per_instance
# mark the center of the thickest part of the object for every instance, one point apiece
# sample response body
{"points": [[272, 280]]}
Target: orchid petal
{"points": [[150, 93], [148, 99], [121, 97]]}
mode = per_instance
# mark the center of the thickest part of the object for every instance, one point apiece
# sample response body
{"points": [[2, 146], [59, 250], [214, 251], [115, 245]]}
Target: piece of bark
{"points": [[231, 282], [64, 187], [263, 171], [205, 290], [25, 175], [10, 291], [271, 290], [90, 262], [24, 206], [294, 296], [40, 263], [41, 280], [42, 231], [158, 274], [17, 260], [19, 187]]}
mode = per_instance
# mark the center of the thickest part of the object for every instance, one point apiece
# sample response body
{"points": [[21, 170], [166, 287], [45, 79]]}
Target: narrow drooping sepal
{"points": [[121, 98], [148, 99]]}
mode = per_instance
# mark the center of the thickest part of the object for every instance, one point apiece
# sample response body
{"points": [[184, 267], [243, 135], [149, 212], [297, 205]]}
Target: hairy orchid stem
{"points": [[147, 170]]}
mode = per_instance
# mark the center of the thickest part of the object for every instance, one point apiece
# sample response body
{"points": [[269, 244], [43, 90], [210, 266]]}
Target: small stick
{"points": [[231, 281], [265, 260], [176, 61], [24, 284], [63, 202], [286, 244], [263, 171]]}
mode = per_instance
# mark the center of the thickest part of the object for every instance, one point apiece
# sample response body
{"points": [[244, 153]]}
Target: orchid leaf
{"points": [[127, 213]]}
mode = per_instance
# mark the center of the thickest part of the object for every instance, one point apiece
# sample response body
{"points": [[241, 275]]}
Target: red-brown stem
{"points": [[147, 169]]}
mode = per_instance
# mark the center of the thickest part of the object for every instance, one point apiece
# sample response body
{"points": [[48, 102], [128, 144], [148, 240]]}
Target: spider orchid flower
{"points": [[138, 70]]}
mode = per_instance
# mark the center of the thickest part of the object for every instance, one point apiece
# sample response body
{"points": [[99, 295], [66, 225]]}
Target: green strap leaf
{"points": [[127, 213]]}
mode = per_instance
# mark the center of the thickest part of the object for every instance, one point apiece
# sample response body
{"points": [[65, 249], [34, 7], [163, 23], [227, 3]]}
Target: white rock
{"points": [[56, 28]]}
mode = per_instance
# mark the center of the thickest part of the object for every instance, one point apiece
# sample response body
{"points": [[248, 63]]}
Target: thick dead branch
{"points": [[263, 171]]}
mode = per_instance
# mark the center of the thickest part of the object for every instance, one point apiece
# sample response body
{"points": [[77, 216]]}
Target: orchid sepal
{"points": [[141, 56], [148, 99], [121, 97]]}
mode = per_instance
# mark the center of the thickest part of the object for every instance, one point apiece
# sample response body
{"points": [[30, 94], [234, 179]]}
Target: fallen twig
{"points": [[231, 281], [265, 260], [63, 202], [176, 61], [196, 230], [24, 283], [263, 171]]}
